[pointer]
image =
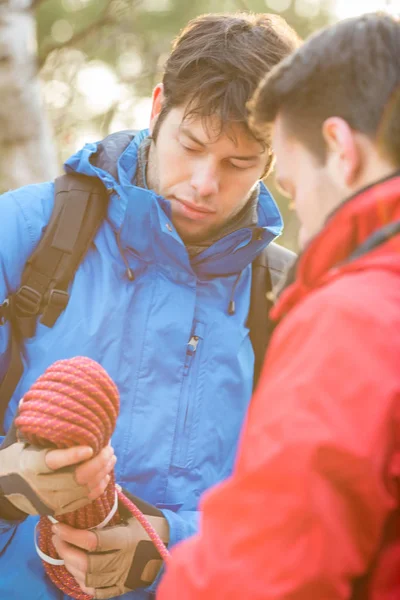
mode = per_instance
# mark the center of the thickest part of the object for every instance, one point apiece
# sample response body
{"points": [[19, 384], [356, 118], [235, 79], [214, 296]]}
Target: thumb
{"points": [[57, 459], [120, 537]]}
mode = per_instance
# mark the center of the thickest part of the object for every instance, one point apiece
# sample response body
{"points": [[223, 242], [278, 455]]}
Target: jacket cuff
{"points": [[9, 512]]}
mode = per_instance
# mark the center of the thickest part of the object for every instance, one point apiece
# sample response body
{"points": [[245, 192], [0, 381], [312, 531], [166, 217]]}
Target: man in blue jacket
{"points": [[161, 300]]}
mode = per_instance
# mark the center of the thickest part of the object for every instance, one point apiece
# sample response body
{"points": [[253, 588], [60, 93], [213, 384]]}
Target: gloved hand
{"points": [[114, 560], [35, 481]]}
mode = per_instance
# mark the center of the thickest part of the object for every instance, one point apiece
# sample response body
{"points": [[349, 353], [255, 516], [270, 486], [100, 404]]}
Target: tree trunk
{"points": [[27, 153]]}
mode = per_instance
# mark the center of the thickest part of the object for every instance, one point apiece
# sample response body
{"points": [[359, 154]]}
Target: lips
{"points": [[195, 207], [192, 211]]}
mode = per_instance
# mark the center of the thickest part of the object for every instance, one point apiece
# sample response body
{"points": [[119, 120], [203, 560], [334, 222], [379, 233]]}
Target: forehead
{"points": [[210, 130], [283, 146], [279, 137]]}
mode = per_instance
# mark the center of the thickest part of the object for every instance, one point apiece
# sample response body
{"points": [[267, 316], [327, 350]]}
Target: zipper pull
{"points": [[192, 345]]}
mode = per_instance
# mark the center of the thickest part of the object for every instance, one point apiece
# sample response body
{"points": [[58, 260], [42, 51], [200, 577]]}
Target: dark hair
{"points": [[350, 70], [217, 62]]}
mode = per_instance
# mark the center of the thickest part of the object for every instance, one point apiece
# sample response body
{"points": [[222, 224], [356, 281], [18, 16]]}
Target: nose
{"points": [[205, 179]]}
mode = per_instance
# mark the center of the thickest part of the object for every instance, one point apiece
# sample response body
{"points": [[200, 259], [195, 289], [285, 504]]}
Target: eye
{"points": [[241, 167], [190, 149]]}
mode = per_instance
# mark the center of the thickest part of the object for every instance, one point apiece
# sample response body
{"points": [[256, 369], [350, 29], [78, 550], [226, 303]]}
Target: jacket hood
{"points": [[136, 212], [329, 254]]}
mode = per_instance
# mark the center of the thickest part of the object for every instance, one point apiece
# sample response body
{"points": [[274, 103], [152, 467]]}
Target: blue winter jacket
{"points": [[182, 404]]}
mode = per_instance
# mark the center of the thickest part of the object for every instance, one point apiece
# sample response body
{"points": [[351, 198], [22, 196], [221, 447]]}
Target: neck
{"points": [[151, 170], [375, 168]]}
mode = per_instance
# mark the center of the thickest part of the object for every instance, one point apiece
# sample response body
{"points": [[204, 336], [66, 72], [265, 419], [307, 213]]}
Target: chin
{"points": [[193, 237]]}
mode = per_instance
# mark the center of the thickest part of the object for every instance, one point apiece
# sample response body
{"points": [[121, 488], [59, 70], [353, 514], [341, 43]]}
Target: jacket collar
{"points": [[356, 220]]}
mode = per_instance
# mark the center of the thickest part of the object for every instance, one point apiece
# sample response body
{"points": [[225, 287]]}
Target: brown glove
{"points": [[28, 483], [125, 558]]}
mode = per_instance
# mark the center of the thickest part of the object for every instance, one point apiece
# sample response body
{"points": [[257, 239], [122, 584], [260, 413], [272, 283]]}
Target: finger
{"points": [[56, 459], [87, 590], [78, 575], [102, 463], [73, 557], [81, 582], [101, 475], [99, 489], [110, 592], [119, 537], [87, 540]]}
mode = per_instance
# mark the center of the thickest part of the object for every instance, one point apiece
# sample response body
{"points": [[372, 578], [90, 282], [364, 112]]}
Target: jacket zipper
{"points": [[190, 352], [188, 399]]}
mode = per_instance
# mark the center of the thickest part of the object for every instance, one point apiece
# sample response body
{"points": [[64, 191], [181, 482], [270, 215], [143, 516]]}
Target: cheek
{"points": [[237, 190], [309, 204], [173, 166], [307, 192], [231, 205], [301, 203]]}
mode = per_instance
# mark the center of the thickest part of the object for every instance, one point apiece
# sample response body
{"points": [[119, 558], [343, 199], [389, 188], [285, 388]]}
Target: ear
{"points": [[157, 103], [344, 155]]}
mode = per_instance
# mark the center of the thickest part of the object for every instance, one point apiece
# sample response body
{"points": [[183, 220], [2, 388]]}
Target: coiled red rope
{"points": [[75, 402]]}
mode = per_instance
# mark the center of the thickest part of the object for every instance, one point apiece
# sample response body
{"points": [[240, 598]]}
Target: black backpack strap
{"points": [[79, 208], [267, 269]]}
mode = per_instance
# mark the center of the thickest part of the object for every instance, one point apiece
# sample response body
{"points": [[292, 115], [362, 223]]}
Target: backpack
{"points": [[79, 209]]}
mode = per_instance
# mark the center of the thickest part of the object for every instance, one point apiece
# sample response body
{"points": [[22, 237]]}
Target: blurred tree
{"points": [[27, 151]]}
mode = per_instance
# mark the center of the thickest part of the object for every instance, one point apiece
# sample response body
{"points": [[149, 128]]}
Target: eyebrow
{"points": [[190, 135]]}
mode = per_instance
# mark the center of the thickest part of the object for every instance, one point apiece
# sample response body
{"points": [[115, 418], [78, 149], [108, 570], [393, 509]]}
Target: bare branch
{"points": [[109, 16], [35, 4]]}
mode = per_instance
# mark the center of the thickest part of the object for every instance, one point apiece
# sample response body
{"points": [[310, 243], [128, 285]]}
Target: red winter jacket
{"points": [[311, 511]]}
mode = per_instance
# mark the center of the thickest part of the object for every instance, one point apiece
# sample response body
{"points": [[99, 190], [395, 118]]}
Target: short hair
{"points": [[217, 62], [350, 70]]}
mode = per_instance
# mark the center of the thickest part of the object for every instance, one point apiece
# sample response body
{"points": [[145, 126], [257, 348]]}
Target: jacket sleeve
{"points": [[304, 510], [24, 214], [182, 524], [7, 528]]}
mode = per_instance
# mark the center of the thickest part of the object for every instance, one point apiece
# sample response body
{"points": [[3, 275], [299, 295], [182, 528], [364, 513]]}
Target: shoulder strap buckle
{"points": [[21, 309], [27, 302], [56, 304]]}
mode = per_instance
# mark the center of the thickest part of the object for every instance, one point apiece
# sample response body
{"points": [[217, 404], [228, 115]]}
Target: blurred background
{"points": [[73, 71]]}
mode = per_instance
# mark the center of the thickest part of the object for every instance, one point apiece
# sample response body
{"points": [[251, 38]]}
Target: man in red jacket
{"points": [[311, 511]]}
